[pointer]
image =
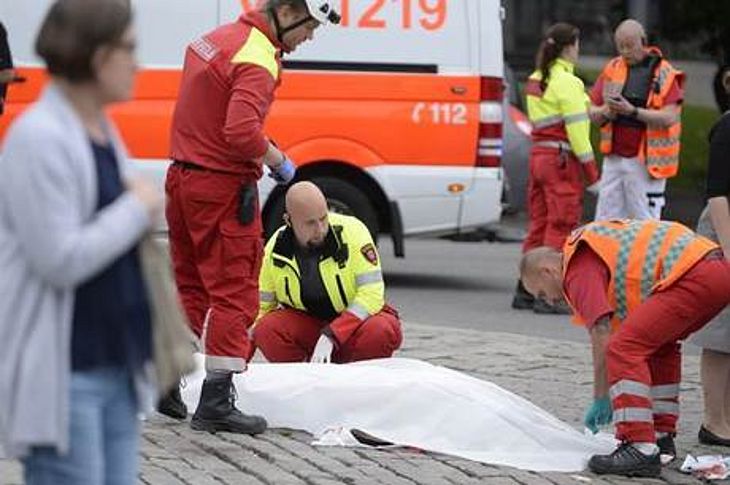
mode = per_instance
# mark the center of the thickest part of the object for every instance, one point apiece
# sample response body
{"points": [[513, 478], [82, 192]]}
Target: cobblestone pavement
{"points": [[555, 375]]}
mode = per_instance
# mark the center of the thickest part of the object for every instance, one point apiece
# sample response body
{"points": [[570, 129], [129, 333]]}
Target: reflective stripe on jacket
{"points": [[659, 149], [560, 112], [350, 271], [642, 256]]}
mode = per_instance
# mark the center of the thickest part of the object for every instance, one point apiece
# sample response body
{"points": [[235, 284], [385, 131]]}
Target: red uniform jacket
{"points": [[226, 91]]}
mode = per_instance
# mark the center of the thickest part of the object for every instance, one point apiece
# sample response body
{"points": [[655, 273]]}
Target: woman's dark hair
{"points": [[557, 37], [73, 30], [721, 88]]}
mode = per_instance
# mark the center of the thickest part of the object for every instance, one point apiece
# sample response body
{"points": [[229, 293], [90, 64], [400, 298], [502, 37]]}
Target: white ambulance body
{"points": [[397, 112]]}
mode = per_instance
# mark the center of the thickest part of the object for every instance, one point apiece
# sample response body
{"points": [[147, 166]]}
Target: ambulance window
{"points": [[408, 32], [437, 33]]}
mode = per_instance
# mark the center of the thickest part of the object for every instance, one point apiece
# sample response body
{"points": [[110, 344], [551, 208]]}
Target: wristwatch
{"points": [[635, 112]]}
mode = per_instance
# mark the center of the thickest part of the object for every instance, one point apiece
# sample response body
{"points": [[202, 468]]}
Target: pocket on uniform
{"points": [[210, 187], [242, 251], [568, 203]]}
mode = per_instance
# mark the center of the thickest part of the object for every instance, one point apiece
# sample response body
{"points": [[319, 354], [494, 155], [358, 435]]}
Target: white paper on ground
{"points": [[337, 436], [411, 403], [709, 467]]}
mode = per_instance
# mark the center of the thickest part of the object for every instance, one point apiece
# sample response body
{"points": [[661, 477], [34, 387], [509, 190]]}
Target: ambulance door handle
{"points": [[460, 90]]}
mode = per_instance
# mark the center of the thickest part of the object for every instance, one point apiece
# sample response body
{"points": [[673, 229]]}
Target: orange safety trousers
{"points": [[216, 259], [643, 356], [555, 197]]}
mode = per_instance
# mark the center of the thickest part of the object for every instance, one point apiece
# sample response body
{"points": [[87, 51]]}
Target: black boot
{"points": [[172, 405], [217, 411], [544, 308], [522, 299], [627, 461], [707, 437], [667, 448]]}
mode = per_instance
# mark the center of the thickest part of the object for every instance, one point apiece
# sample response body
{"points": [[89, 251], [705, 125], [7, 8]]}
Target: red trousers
{"points": [[643, 357], [289, 335], [216, 260], [555, 197]]}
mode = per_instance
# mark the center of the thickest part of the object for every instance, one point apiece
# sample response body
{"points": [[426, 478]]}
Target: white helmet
{"points": [[323, 11]]}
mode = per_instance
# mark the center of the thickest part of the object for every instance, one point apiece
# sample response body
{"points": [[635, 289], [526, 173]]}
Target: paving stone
{"points": [[153, 475], [540, 370]]}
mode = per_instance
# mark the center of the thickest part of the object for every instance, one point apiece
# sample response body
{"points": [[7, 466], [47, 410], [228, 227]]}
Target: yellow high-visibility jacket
{"points": [[559, 113], [349, 268]]}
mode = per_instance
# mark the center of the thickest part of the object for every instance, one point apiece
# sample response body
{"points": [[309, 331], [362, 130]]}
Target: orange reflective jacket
{"points": [[642, 256], [660, 146]]}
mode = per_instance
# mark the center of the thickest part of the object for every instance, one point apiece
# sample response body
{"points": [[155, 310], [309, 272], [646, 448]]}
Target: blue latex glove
{"points": [[285, 172], [599, 414]]}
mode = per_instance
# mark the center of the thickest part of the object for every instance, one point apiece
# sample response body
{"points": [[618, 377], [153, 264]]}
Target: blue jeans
{"points": [[104, 435]]}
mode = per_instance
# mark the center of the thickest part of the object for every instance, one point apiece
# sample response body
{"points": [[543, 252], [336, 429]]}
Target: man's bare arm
{"points": [[600, 333]]}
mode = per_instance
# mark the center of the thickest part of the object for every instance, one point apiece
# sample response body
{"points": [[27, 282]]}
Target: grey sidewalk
{"points": [[554, 375]]}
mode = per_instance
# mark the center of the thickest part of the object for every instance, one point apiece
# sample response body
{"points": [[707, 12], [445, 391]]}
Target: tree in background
{"points": [[708, 20]]}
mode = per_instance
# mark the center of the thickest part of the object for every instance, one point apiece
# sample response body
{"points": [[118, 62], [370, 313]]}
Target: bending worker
{"points": [[639, 287], [637, 103], [561, 157], [321, 288], [219, 150]]}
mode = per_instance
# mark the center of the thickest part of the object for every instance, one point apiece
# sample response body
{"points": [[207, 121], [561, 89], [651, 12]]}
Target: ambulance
{"points": [[396, 113]]}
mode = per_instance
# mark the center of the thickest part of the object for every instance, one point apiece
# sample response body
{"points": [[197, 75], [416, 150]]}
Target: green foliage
{"points": [[696, 124], [589, 76], [706, 21]]}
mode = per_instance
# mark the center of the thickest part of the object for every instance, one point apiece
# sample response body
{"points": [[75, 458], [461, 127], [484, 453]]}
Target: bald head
{"points": [[630, 39], [541, 273], [630, 28], [536, 258], [306, 213], [304, 196]]}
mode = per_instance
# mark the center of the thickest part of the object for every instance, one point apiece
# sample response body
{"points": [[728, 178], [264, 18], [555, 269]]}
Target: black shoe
{"points": [[522, 299], [544, 308], [707, 437], [627, 461], [217, 411], [667, 449], [172, 405]]}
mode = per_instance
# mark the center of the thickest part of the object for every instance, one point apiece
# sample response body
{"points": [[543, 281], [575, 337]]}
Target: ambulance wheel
{"points": [[342, 198], [345, 198]]}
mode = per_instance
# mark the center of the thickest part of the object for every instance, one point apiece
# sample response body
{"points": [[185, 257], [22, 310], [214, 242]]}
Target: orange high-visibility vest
{"points": [[642, 256], [659, 148]]}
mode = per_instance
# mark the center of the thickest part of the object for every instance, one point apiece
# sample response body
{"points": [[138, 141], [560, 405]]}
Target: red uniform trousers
{"points": [[643, 356], [555, 197], [288, 335], [216, 260]]}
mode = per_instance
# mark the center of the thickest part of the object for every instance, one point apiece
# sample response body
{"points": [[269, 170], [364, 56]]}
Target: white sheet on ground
{"points": [[412, 403]]}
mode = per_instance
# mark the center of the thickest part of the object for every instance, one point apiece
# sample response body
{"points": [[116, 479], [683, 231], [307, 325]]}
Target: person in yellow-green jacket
{"points": [[561, 159], [322, 295]]}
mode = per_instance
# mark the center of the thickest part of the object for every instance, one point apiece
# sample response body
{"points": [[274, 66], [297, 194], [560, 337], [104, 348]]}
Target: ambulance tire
{"points": [[345, 198], [342, 197]]}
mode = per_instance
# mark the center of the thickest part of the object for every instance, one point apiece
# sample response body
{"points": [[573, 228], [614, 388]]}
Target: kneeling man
{"points": [[322, 295]]}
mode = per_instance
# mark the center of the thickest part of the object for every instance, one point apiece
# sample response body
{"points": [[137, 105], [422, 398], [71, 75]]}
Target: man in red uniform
{"points": [[218, 151], [639, 287]]}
